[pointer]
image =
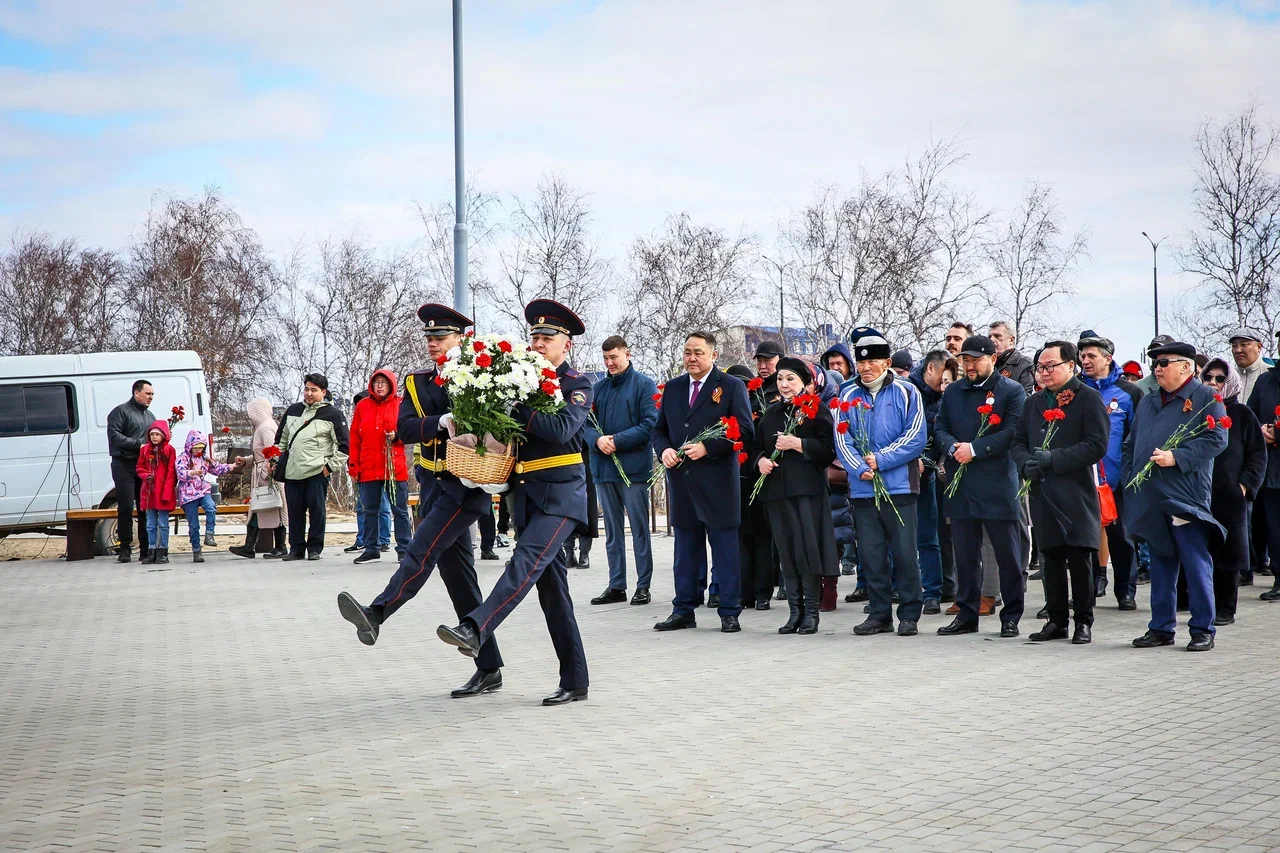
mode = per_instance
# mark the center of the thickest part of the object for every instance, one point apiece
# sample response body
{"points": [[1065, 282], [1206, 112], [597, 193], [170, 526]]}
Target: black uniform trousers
{"points": [[488, 530], [759, 565], [538, 560], [1059, 563], [443, 538], [124, 474], [1006, 541]]}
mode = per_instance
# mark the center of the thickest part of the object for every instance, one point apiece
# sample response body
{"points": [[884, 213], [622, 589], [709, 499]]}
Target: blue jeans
{"points": [[192, 509], [927, 538], [1192, 546], [384, 520], [158, 528], [615, 499], [399, 511]]}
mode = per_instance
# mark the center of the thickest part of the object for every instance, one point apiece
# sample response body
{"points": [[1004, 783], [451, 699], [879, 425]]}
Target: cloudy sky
{"points": [[321, 116]]}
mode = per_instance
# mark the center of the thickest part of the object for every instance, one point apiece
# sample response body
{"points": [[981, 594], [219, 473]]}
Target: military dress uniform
{"points": [[446, 508], [549, 491]]}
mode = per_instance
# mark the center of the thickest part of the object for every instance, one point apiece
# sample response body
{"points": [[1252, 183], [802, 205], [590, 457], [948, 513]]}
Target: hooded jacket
{"points": [[841, 350], [370, 423], [624, 408], [1121, 399], [264, 436], [192, 470], [157, 469]]}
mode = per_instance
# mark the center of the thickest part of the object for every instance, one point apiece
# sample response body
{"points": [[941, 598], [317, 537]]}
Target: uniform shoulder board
{"points": [[570, 372]]}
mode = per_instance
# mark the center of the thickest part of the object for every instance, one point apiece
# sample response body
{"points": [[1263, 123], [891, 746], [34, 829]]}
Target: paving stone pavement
{"points": [[227, 707]]}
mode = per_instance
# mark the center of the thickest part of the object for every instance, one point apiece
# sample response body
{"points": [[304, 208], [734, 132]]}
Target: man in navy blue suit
{"points": [[703, 499]]}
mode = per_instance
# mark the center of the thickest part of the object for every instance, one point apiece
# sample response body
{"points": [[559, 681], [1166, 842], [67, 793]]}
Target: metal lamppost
{"points": [[461, 297], [782, 311], [1155, 278]]}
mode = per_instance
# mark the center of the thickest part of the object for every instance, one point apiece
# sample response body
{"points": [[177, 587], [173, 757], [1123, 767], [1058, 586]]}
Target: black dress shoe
{"points": [[384, 548], [610, 596], [1272, 594], [351, 549], [729, 625], [1043, 612], [561, 696], [713, 601], [675, 622], [366, 557], [931, 607], [293, 555], [907, 628], [1050, 631], [873, 626], [858, 595], [762, 604], [1224, 620], [641, 597], [1008, 629], [1151, 640], [1128, 604], [958, 627], [1083, 634], [1246, 580], [481, 682], [1200, 643], [584, 562], [353, 612], [242, 551], [1100, 588], [463, 636], [313, 555], [276, 554], [489, 555], [1037, 575]]}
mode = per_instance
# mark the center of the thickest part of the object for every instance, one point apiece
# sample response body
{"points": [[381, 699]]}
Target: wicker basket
{"points": [[487, 470]]}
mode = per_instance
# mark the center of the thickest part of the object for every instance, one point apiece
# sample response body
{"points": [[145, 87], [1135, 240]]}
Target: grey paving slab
{"points": [[227, 707]]}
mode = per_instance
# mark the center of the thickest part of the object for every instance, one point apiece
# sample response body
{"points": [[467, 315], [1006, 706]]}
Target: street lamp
{"points": [[782, 315], [1155, 278], [461, 298]]}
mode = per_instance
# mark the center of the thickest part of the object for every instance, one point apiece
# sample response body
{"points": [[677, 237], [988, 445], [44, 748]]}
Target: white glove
{"points": [[446, 422], [496, 489]]}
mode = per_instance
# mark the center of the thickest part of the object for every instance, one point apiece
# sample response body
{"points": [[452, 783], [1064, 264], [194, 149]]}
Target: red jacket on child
{"points": [[158, 470], [370, 423]]}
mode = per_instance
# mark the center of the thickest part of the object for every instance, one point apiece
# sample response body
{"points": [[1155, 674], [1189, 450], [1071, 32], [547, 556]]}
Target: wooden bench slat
{"points": [[99, 514]]}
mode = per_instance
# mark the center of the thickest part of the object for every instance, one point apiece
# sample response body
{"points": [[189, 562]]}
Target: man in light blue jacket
{"points": [[884, 418]]}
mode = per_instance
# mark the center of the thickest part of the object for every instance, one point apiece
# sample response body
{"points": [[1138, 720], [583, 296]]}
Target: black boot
{"points": [[279, 549], [148, 556], [124, 554], [1272, 594], [162, 555], [810, 592], [796, 603]]}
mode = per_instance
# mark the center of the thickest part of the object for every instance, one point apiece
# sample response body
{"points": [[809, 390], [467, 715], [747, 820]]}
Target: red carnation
{"points": [[440, 380], [504, 346], [175, 410], [731, 429], [549, 388], [742, 459], [441, 360], [479, 346], [1224, 422], [270, 452], [662, 385], [1218, 397], [755, 384], [484, 360], [834, 404], [548, 373], [226, 429], [1210, 422], [845, 406], [1049, 415], [985, 409], [737, 445], [842, 427], [657, 398], [994, 420]]}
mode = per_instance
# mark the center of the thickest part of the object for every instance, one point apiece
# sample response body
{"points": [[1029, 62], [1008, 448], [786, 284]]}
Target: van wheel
{"points": [[106, 539]]}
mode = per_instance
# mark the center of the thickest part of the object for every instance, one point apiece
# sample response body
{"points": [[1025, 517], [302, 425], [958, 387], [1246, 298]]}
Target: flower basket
{"points": [[483, 469]]}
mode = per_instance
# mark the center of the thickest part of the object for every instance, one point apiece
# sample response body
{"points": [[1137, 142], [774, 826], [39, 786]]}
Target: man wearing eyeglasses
{"points": [[1121, 399], [1171, 509], [1264, 401]]}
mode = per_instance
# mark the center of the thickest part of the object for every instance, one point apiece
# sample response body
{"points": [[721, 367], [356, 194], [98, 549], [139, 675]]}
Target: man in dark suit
{"points": [[447, 510], [703, 499]]}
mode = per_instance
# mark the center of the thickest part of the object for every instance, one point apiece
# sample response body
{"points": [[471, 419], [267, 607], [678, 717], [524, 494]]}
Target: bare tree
{"points": [[1235, 247], [684, 277], [437, 224], [549, 253], [201, 280], [1032, 264], [59, 297]]}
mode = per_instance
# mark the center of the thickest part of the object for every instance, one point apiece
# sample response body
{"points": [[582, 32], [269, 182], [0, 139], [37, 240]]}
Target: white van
{"points": [[53, 429]]}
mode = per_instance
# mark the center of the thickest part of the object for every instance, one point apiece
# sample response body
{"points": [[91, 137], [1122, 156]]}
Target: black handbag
{"points": [[282, 461]]}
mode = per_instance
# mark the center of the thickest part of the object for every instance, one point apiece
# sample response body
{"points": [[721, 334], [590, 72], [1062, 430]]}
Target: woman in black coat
{"points": [[795, 493], [1238, 473]]}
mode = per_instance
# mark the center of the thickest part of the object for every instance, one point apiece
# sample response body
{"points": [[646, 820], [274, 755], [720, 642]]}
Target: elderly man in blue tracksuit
{"points": [[888, 413], [1171, 509], [1121, 397]]}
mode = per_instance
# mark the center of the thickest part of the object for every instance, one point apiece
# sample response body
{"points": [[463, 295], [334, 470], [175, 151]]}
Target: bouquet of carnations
{"points": [[1051, 417], [726, 427], [805, 408], [989, 419], [1184, 433], [176, 414], [862, 438]]}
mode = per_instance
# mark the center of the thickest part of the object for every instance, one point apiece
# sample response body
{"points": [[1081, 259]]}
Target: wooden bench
{"points": [[83, 523]]}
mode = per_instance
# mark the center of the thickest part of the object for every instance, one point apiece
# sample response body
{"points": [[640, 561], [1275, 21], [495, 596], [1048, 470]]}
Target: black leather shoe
{"points": [[1037, 575], [1200, 643], [561, 696], [197, 557], [931, 607], [489, 555], [1083, 634], [242, 551], [1144, 576], [1043, 613], [313, 555], [384, 547], [675, 622], [1100, 588], [463, 636], [610, 596], [641, 597], [584, 562], [958, 627], [1050, 631], [762, 604], [352, 549], [353, 612], [858, 595], [1008, 629], [1272, 594], [1151, 640], [481, 682], [907, 628], [729, 625], [125, 554], [366, 557], [873, 626], [1246, 580], [276, 554], [1224, 620], [713, 601], [1128, 604]]}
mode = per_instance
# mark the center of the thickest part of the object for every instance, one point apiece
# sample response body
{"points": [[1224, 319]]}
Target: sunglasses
{"points": [[1216, 378], [1165, 362]]}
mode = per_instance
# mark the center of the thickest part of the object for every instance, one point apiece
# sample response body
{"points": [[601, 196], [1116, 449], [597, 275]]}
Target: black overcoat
{"points": [[1064, 498], [1242, 463], [989, 488], [797, 474]]}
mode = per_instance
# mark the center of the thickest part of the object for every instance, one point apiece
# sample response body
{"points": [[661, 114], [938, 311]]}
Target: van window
{"points": [[37, 409]]}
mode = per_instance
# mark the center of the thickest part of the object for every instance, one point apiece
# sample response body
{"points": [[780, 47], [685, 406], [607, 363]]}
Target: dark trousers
{"points": [[504, 516], [758, 573], [1123, 557], [371, 504], [488, 530], [1059, 564], [882, 537], [944, 542], [1230, 561], [538, 561], [1006, 541], [124, 474], [1258, 544], [691, 564], [442, 538], [1270, 507], [305, 498], [927, 539], [1191, 546]]}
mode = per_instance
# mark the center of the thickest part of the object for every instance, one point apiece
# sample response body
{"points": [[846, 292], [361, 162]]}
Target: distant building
{"points": [[737, 344]]}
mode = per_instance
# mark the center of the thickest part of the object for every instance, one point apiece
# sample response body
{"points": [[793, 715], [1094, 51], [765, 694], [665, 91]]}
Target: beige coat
{"points": [[264, 436]]}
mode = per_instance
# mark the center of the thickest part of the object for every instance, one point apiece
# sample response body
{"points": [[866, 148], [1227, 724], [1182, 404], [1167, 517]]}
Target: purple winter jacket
{"points": [[192, 484]]}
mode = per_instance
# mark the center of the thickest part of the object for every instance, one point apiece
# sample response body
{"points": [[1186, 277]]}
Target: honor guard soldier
{"points": [[550, 502], [446, 507]]}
